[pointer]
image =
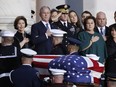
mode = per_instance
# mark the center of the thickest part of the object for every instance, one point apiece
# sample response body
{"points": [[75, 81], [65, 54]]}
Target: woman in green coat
{"points": [[93, 42]]}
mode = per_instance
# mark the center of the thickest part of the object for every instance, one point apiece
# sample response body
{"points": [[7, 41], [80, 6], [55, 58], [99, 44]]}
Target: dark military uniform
{"points": [[25, 76], [65, 25], [74, 53], [58, 50], [9, 60], [69, 28]]}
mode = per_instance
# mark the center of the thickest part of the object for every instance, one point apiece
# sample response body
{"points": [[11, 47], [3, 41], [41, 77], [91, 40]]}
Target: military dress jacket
{"points": [[10, 58], [69, 28], [25, 76], [58, 50]]}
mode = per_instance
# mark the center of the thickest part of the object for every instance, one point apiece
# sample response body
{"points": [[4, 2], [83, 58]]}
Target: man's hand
{"points": [[48, 32]]}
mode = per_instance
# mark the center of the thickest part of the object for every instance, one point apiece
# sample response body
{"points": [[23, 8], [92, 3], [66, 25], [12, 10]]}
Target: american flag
{"points": [[83, 68], [40, 62]]}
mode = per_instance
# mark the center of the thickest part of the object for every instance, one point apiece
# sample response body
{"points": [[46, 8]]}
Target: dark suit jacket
{"points": [[107, 33], [25, 76], [43, 45]]}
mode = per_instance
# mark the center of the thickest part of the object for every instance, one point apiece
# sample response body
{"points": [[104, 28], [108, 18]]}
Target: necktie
{"points": [[47, 26], [64, 24], [101, 31]]}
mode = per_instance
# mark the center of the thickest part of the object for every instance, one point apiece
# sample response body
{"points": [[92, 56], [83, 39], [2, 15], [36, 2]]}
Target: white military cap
{"points": [[28, 52], [57, 71], [58, 32], [7, 33]]}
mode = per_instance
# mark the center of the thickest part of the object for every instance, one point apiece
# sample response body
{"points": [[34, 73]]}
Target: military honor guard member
{"points": [[58, 48], [57, 75], [57, 78], [75, 65], [9, 57], [73, 46], [25, 75], [80, 69], [76, 68]]}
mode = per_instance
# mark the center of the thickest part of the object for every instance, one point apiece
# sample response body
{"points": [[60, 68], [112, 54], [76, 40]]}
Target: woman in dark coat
{"points": [[111, 48], [22, 39]]}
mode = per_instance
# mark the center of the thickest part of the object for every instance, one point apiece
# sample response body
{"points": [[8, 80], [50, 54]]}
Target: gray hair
{"points": [[43, 7]]}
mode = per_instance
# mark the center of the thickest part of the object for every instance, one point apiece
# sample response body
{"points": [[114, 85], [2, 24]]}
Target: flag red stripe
{"points": [[40, 65], [47, 56]]}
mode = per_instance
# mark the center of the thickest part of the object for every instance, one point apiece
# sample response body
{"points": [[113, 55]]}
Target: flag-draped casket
{"points": [[84, 68], [40, 62]]}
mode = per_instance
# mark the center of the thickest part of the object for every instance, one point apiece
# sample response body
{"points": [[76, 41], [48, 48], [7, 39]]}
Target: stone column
{"points": [[10, 9]]}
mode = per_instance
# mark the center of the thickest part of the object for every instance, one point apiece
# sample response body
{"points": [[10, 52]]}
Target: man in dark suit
{"points": [[41, 34], [25, 75], [101, 22]]}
